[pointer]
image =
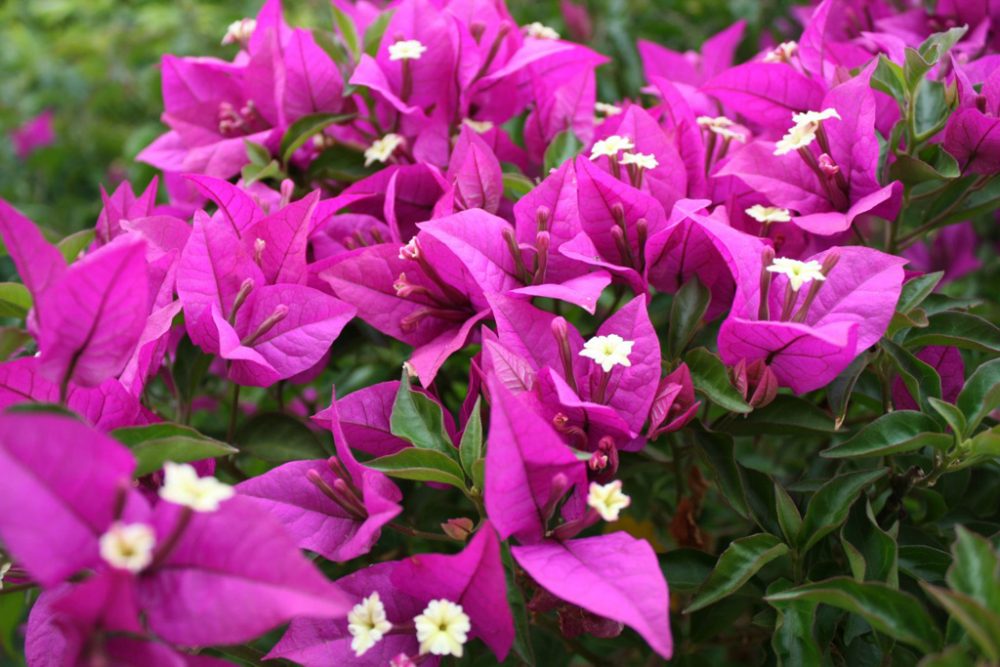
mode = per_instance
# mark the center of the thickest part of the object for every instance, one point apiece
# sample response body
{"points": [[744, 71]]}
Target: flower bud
{"points": [[755, 381], [458, 529]]}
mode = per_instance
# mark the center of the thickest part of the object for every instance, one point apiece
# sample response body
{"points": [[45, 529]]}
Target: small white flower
{"points": [[3, 572], [606, 109], [128, 546], [406, 49], [721, 126], [782, 53], [367, 624], [767, 214], [608, 499], [611, 146], [442, 628], [608, 351], [643, 160], [540, 31], [479, 126], [182, 486], [798, 272], [382, 149], [411, 250], [803, 132], [239, 32]]}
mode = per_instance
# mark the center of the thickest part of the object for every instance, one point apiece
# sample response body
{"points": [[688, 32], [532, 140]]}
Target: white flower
{"points": [[406, 49], [643, 160], [611, 146], [442, 628], [608, 351], [768, 214], [239, 32], [540, 31], [411, 250], [803, 132], [479, 126], [782, 53], [382, 149], [3, 572], [607, 109], [367, 624], [608, 499], [798, 272], [128, 546], [182, 486], [721, 126]]}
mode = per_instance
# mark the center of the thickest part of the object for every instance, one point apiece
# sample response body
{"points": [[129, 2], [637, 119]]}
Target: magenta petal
{"points": [[57, 500], [614, 575], [475, 172], [38, 262], [313, 82], [428, 358], [947, 361], [524, 454], [233, 575], [766, 93], [474, 578], [285, 236], [235, 205], [583, 291], [364, 417]]}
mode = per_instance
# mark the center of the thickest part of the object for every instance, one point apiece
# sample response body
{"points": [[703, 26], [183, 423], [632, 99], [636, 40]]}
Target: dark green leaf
{"points": [[418, 419], [958, 329], [953, 656], [155, 444], [888, 78], [976, 569], [190, 366], [789, 517], [516, 185], [422, 465], [686, 312], [339, 163], [916, 290], [348, 32], [563, 147], [923, 562], [305, 128], [717, 448], [742, 559], [374, 32], [981, 394], [921, 379], [951, 415], [44, 409], [838, 392], [900, 431], [278, 438], [15, 300], [981, 624], [519, 610], [793, 641], [470, 449], [875, 548], [828, 508], [891, 612], [711, 378], [785, 415], [687, 569], [74, 244]]}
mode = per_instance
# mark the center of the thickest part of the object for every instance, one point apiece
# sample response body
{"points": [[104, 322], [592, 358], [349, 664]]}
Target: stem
{"points": [[413, 532], [233, 412]]}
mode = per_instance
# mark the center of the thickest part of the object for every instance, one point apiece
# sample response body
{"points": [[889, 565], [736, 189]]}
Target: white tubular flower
{"points": [[406, 49], [782, 53], [611, 146], [608, 351], [803, 132], [367, 624], [128, 546], [239, 32], [182, 486], [442, 628], [643, 160], [721, 126], [540, 31], [606, 109], [798, 273], [480, 126], [608, 499], [382, 149], [769, 214]]}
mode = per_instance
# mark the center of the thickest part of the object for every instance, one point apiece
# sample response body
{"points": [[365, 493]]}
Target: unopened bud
{"points": [[458, 529], [827, 165]]}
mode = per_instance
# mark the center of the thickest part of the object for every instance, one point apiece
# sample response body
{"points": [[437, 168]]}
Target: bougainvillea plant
{"points": [[427, 355]]}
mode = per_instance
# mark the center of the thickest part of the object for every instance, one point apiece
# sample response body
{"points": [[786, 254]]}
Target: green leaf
{"points": [[257, 153], [74, 244], [951, 415], [422, 465], [900, 431], [15, 300], [793, 640], [44, 409], [789, 517], [937, 45], [470, 449], [875, 548], [894, 613], [914, 68], [12, 611], [717, 449], [953, 656], [278, 438], [912, 171], [251, 173], [711, 378], [374, 32], [742, 559], [339, 163], [304, 129], [519, 609], [563, 147], [155, 444], [957, 329], [976, 569], [190, 366], [981, 624], [686, 312], [838, 392], [921, 379], [888, 78], [348, 32], [516, 185], [12, 339], [828, 508], [981, 394], [419, 420], [785, 415], [687, 569]]}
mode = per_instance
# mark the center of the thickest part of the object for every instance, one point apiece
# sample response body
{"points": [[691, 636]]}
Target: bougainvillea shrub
{"points": [[421, 352]]}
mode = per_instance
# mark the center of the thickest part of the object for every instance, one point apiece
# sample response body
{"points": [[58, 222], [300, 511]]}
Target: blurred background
{"points": [[94, 64]]}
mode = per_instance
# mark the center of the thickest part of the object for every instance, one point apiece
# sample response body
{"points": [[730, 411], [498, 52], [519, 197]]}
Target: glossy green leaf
{"points": [[981, 394], [741, 560], [976, 569], [876, 549], [921, 379], [717, 450], [563, 147], [891, 612], [786, 415], [375, 31], [950, 414], [278, 438], [711, 378], [155, 444], [348, 31], [888, 78], [839, 392], [306, 128], [422, 465], [418, 419], [981, 624], [516, 185], [793, 641], [789, 517], [829, 507], [71, 246], [916, 290], [686, 313], [900, 431], [963, 330], [15, 300], [470, 448], [953, 656]]}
